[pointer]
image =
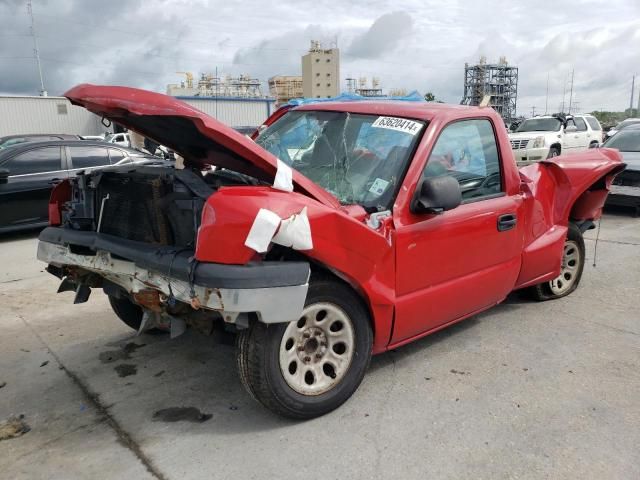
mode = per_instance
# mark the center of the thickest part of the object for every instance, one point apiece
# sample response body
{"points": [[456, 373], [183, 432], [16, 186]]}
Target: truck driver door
{"points": [[453, 264]]}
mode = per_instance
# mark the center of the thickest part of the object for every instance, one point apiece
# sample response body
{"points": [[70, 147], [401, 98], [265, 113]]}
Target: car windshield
{"points": [[360, 159], [539, 125], [626, 123], [625, 141]]}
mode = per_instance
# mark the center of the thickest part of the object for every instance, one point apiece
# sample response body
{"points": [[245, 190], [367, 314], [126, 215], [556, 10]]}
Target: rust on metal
{"points": [[149, 299]]}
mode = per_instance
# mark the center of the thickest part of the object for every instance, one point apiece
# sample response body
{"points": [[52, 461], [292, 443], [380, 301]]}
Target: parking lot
{"points": [[526, 390]]}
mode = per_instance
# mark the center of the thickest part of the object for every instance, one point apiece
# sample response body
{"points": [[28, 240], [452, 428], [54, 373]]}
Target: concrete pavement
{"points": [[526, 390]]}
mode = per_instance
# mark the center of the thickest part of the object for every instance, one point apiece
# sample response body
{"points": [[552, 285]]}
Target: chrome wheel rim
{"points": [[569, 269], [316, 351]]}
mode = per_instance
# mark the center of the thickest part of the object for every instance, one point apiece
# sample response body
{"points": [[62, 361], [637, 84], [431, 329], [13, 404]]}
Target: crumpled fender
{"points": [[573, 188], [342, 243]]}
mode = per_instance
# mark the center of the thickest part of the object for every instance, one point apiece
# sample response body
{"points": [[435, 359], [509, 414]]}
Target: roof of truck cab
{"points": [[416, 110]]}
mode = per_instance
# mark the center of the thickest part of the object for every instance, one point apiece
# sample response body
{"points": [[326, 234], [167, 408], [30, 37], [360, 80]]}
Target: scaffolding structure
{"points": [[369, 91], [285, 88], [210, 85], [499, 81]]}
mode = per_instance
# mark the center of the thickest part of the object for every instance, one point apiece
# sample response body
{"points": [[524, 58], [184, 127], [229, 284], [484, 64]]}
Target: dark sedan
{"points": [[10, 140], [625, 190], [28, 172]]}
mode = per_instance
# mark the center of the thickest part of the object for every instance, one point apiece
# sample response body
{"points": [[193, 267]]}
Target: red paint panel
{"points": [[344, 244], [60, 194], [455, 263]]}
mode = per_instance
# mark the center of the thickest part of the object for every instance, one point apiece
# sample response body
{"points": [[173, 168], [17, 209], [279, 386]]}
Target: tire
{"points": [[571, 273], [330, 347], [127, 311], [553, 152]]}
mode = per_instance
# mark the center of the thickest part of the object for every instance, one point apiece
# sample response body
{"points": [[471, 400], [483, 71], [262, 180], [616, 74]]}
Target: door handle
{"points": [[507, 222], [54, 181]]}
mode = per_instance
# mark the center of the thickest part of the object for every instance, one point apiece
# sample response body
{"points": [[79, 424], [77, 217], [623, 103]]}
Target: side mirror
{"points": [[436, 195], [4, 175], [570, 129], [594, 145]]}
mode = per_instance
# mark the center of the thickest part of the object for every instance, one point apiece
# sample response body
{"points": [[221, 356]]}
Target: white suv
{"points": [[548, 136]]}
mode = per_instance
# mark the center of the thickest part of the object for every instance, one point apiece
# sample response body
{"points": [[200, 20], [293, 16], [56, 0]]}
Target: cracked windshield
{"points": [[358, 158]]}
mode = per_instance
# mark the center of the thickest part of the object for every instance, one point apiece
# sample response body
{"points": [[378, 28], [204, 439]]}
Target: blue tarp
{"points": [[353, 97]]}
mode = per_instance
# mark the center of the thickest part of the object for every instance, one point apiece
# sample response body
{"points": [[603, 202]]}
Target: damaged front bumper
{"points": [[274, 291]]}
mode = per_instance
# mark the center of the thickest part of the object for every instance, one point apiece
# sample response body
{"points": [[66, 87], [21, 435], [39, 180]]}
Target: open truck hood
{"points": [[199, 138]]}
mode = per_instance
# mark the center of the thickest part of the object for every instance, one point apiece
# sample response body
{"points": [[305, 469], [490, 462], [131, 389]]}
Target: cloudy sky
{"points": [[419, 44]]}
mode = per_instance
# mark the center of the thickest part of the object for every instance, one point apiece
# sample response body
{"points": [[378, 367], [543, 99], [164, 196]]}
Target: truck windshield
{"points": [[360, 159], [540, 125]]}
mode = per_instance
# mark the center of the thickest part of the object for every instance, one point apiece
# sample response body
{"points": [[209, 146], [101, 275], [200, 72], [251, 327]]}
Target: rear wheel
{"points": [[127, 311], [573, 259], [306, 368]]}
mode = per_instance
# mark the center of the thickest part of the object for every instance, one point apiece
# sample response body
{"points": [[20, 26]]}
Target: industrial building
{"points": [[362, 87], [321, 72], [210, 85], [21, 115], [285, 87], [499, 81]]}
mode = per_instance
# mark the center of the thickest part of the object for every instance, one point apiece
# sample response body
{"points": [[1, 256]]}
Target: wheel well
{"points": [[557, 146], [322, 271]]}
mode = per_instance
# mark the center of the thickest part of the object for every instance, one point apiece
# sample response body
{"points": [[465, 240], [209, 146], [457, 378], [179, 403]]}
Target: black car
{"points": [[28, 172], [10, 140]]}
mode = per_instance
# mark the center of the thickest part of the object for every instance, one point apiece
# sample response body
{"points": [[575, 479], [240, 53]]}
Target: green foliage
{"points": [[610, 119]]}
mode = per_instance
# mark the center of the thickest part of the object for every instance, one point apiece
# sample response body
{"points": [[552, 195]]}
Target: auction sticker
{"points": [[398, 124], [379, 186]]}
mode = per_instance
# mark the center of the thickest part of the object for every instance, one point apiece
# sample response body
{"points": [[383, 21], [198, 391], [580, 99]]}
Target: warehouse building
{"points": [[22, 115], [235, 112]]}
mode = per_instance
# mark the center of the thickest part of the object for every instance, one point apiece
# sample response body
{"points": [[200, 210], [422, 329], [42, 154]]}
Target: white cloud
{"points": [[422, 45]]}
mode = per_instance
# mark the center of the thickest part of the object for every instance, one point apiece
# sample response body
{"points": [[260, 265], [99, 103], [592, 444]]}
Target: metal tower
{"points": [[499, 81]]}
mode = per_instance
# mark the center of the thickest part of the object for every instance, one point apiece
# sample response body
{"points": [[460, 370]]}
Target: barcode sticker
{"points": [[398, 124]]}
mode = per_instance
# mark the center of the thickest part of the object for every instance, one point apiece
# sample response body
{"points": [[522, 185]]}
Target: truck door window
{"points": [[467, 151], [582, 127]]}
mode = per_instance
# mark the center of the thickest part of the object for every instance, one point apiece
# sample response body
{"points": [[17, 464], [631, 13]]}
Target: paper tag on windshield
{"points": [[398, 124], [379, 186]]}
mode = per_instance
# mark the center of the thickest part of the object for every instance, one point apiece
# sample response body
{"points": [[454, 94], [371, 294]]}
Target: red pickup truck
{"points": [[344, 230]]}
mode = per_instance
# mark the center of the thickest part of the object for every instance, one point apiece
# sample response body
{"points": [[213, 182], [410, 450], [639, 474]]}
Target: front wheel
{"points": [[553, 152], [127, 311], [309, 367], [573, 259]]}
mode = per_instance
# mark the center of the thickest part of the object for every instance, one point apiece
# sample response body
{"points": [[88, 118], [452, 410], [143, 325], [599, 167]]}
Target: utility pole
{"points": [[571, 94], [546, 100], [533, 111], [43, 92], [564, 93], [633, 85]]}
